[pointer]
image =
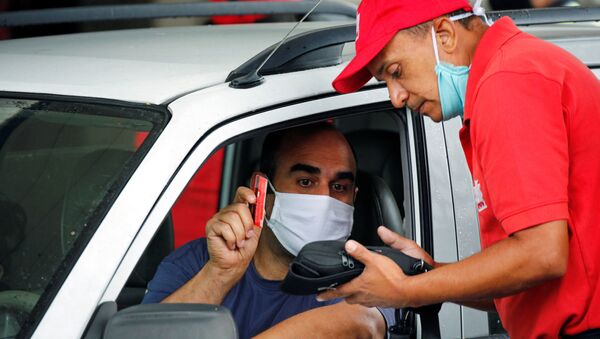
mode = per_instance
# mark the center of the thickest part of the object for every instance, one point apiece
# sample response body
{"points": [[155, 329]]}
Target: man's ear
{"points": [[253, 176], [446, 35]]}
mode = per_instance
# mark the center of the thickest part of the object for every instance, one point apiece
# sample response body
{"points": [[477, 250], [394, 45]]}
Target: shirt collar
{"points": [[497, 35]]}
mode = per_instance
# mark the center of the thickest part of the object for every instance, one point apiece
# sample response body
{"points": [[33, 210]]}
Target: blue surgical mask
{"points": [[452, 85], [452, 80]]}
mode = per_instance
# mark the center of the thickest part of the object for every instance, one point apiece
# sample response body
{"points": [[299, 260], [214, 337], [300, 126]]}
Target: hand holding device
{"points": [[232, 237], [322, 265]]}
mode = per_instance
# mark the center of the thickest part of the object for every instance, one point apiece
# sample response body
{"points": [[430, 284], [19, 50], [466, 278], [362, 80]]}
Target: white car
{"points": [[100, 133]]}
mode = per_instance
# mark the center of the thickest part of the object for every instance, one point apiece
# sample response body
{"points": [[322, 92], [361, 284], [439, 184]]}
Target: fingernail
{"points": [[350, 246], [320, 299], [249, 234]]}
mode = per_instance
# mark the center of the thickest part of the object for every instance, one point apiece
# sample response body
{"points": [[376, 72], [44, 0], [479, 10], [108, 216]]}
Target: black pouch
{"points": [[322, 265]]}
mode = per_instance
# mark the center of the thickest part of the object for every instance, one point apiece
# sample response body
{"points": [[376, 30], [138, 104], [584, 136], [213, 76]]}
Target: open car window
{"points": [[62, 164]]}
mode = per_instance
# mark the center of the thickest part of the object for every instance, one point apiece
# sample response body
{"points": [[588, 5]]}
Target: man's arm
{"points": [[232, 240], [486, 305], [207, 287], [340, 320], [525, 259]]}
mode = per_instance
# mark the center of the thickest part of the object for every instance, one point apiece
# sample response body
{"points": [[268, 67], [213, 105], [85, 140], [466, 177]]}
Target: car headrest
{"points": [[375, 205], [378, 153]]}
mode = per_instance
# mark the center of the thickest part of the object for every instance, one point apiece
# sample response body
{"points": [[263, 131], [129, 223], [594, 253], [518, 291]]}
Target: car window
{"points": [[61, 166], [376, 138]]}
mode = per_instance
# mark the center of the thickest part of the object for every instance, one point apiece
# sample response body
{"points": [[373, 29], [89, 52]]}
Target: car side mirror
{"points": [[182, 321]]}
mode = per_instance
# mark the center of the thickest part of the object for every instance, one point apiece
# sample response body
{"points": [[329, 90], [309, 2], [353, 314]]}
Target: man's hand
{"points": [[334, 321], [404, 245], [232, 240], [378, 284], [232, 237], [528, 257]]}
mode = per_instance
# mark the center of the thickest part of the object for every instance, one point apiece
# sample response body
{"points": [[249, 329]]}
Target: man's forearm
{"points": [[486, 305], [507, 267], [209, 286], [334, 321]]}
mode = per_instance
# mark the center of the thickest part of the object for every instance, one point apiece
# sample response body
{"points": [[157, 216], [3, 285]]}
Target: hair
{"points": [[274, 141], [425, 28]]}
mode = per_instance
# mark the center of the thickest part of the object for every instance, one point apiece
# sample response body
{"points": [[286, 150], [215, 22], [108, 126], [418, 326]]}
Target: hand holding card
{"points": [[259, 185]]}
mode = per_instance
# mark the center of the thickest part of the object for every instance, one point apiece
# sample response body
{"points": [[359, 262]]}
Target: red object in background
{"points": [[235, 19], [139, 139], [198, 202], [4, 32], [241, 19]]}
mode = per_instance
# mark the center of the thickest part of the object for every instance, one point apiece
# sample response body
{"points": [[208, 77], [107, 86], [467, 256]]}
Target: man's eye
{"points": [[395, 72], [304, 182], [338, 187]]}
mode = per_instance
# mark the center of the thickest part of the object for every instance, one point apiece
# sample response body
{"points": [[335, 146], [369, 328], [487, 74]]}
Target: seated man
{"points": [[240, 266]]}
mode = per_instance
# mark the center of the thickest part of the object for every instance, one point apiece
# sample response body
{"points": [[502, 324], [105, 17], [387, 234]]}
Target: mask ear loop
{"points": [[435, 49], [271, 185], [273, 207], [478, 10]]}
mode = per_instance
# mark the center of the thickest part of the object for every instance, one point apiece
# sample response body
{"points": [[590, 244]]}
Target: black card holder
{"points": [[323, 265]]}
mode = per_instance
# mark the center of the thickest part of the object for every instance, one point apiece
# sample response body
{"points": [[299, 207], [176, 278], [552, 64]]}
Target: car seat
{"points": [[379, 182], [375, 205], [378, 153]]}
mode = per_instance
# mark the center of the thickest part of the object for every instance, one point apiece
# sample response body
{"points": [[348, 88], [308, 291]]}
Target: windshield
{"points": [[61, 166]]}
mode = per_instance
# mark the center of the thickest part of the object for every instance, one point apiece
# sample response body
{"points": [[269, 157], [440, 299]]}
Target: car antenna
{"points": [[253, 79]]}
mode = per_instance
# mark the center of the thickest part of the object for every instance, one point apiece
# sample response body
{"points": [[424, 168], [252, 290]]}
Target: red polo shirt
{"points": [[531, 136]]}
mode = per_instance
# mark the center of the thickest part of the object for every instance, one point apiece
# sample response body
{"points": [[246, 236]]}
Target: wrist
{"points": [[436, 264], [225, 276], [408, 292]]}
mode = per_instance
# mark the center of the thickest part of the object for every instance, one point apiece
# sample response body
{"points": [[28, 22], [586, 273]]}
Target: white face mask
{"points": [[297, 219]]}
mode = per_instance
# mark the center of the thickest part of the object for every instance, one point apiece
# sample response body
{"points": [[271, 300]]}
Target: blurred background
{"points": [[28, 31]]}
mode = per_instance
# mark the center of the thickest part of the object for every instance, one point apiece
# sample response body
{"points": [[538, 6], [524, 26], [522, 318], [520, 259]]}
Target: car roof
{"points": [[158, 65], [151, 65]]}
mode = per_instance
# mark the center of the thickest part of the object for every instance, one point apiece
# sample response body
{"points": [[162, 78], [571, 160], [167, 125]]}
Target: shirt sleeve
{"points": [[176, 270], [520, 135], [389, 318]]}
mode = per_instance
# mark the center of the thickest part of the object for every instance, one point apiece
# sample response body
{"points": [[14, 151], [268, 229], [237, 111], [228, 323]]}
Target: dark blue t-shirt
{"points": [[255, 303]]}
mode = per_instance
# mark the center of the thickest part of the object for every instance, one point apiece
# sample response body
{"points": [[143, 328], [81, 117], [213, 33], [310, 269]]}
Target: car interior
{"points": [[377, 138]]}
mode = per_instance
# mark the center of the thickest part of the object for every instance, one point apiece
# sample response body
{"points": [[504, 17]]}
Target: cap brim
{"points": [[356, 74]]}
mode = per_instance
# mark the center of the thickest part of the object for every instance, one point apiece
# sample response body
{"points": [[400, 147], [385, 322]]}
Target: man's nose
{"points": [[398, 94], [323, 189]]}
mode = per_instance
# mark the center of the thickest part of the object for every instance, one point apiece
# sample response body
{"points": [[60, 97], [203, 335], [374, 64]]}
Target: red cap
{"points": [[377, 21]]}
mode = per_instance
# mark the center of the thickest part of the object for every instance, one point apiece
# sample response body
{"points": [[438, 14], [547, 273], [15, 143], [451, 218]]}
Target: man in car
{"points": [[531, 136], [312, 168]]}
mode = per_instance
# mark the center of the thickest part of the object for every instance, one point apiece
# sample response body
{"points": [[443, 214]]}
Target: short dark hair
{"points": [[425, 27], [272, 145]]}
